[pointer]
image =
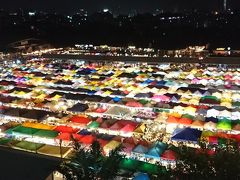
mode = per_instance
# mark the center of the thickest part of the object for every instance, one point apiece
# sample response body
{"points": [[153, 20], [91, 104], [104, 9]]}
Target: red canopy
{"points": [[134, 104], [66, 129], [68, 136], [185, 121], [100, 110], [172, 119], [80, 119], [213, 139], [128, 128], [102, 142], [116, 126], [169, 155], [87, 139]]}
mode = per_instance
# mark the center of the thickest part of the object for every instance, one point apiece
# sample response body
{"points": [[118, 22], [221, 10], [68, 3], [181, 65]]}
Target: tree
{"points": [[208, 162], [91, 164]]}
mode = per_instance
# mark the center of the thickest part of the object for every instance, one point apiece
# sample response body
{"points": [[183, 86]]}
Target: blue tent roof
{"points": [[154, 152], [160, 145], [140, 149], [116, 99], [141, 176], [186, 134]]}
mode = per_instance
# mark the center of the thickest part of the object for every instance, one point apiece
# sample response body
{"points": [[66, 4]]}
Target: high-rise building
{"points": [[225, 5]]}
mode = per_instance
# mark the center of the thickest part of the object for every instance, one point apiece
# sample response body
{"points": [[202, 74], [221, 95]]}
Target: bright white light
{"points": [[105, 10]]}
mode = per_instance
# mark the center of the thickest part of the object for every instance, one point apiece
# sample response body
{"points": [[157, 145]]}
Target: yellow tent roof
{"points": [[38, 125], [111, 145]]}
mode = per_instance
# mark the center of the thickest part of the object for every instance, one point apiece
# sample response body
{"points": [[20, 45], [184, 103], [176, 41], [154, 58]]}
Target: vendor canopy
{"points": [[80, 119], [21, 130], [79, 107], [186, 134], [118, 111]]}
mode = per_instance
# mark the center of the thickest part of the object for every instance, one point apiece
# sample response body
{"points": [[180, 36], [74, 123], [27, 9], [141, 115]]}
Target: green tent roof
{"points": [[129, 164], [22, 130], [188, 116], [148, 168], [93, 124], [46, 133], [4, 141], [28, 145], [225, 125]]}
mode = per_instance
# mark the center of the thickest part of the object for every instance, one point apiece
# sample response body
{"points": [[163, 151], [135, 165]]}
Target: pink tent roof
{"points": [[128, 128], [127, 148], [116, 126], [161, 98]]}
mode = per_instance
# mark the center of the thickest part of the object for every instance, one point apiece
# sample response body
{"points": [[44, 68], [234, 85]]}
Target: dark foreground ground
{"points": [[19, 165]]}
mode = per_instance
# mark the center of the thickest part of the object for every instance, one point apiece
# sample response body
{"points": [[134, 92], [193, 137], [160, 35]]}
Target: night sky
{"points": [[119, 6]]}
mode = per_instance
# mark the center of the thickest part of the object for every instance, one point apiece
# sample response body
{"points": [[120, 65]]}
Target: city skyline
{"points": [[123, 6]]}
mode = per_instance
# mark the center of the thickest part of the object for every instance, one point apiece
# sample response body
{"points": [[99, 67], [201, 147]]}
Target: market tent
{"points": [[140, 129], [116, 126], [38, 125], [129, 164], [66, 129], [28, 146], [93, 125], [210, 125], [69, 136], [160, 145], [80, 119], [168, 155], [79, 107], [186, 134], [185, 121], [110, 146], [128, 128], [87, 139], [224, 125], [54, 150], [141, 176], [46, 133], [197, 124], [134, 104], [118, 111], [148, 168], [172, 119], [140, 149], [102, 142], [154, 153], [22, 131], [127, 147]]}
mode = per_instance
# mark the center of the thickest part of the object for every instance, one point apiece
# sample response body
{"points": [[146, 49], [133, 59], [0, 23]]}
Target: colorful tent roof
{"points": [[186, 134]]}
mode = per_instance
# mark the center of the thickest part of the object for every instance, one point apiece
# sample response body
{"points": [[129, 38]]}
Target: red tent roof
{"points": [[128, 128], [130, 140], [66, 129], [102, 142], [172, 119], [185, 121], [80, 119], [116, 126], [134, 104], [213, 139], [169, 155], [105, 125], [100, 110], [67, 136], [87, 139]]}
